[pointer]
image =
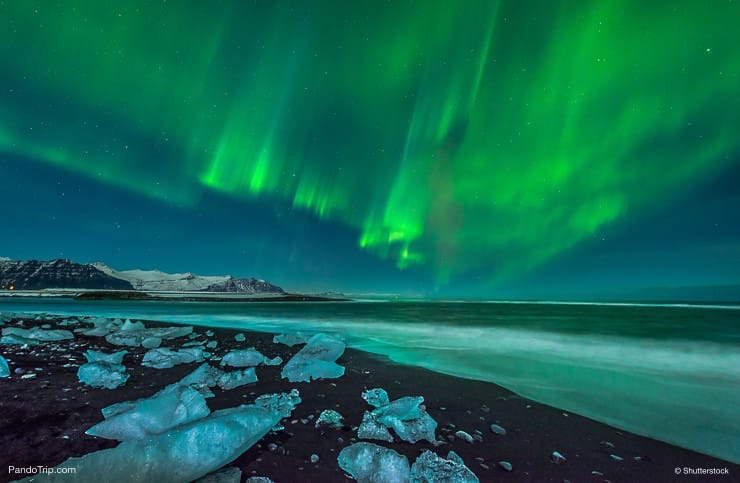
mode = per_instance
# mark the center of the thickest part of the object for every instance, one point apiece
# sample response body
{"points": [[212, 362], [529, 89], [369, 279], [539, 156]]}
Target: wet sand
{"points": [[43, 419]]}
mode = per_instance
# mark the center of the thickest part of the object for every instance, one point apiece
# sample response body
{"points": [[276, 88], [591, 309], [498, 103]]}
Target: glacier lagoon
{"points": [[671, 372]]}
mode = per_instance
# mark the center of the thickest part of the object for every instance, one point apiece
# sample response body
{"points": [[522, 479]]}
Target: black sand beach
{"points": [[43, 418]]}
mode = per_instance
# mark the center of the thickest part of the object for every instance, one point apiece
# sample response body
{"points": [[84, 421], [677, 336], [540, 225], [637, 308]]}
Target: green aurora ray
{"points": [[456, 135]]}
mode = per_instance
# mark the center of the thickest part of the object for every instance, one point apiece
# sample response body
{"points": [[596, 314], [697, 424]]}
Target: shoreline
{"points": [[136, 295], [43, 418]]}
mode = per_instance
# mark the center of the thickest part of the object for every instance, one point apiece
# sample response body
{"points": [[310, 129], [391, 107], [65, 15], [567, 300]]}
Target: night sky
{"points": [[547, 148]]}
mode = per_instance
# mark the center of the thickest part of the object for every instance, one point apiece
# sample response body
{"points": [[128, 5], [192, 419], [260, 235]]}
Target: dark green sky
{"points": [[447, 147]]}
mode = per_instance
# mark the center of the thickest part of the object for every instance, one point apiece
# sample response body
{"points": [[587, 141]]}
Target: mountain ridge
{"points": [[64, 273]]}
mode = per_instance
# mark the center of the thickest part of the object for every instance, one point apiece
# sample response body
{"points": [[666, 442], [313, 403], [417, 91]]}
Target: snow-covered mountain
{"points": [[38, 275], [155, 280]]}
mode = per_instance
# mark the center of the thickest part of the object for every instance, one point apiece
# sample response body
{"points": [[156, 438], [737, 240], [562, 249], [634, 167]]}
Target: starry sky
{"points": [[548, 148]]}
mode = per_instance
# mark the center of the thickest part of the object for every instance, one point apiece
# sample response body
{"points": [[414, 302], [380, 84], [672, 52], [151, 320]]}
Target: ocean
{"points": [[670, 372]]}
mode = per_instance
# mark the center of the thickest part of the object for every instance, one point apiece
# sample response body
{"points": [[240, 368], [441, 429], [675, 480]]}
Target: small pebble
{"points": [[505, 465], [495, 428], [557, 458], [616, 458], [314, 458], [465, 436]]}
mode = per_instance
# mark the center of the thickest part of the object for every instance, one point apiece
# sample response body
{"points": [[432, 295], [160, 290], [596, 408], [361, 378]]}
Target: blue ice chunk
{"points": [[329, 417], [243, 358], [17, 340], [232, 474], [101, 327], [234, 379], [164, 358], [200, 379], [39, 334], [240, 337], [4, 367], [416, 429], [275, 361], [151, 342], [429, 468], [316, 360], [370, 463], [282, 403], [125, 338], [134, 336], [114, 358], [407, 418], [258, 479], [404, 408], [185, 453], [171, 407], [376, 397], [290, 339], [102, 374], [370, 428], [212, 344], [128, 325], [118, 408], [169, 332], [203, 377]]}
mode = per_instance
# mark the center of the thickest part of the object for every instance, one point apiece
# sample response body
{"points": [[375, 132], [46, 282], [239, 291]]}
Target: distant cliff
{"points": [[36, 275], [244, 285]]}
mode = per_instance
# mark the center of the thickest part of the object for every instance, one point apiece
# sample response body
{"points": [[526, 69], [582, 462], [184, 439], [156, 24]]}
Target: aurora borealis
{"points": [[476, 140]]}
